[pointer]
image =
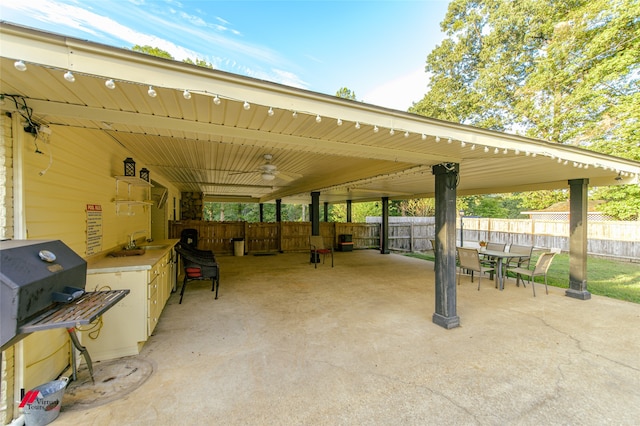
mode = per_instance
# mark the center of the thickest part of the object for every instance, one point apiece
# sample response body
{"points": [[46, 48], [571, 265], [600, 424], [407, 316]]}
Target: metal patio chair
{"points": [[541, 269], [317, 248], [469, 259]]}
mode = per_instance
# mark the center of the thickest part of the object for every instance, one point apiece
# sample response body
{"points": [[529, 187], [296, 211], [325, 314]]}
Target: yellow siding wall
{"points": [[84, 163], [61, 175], [6, 231]]}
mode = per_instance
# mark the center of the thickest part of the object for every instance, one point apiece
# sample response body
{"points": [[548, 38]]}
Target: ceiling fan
{"points": [[268, 171]]}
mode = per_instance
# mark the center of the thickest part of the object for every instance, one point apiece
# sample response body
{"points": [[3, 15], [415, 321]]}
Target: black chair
{"points": [[189, 237], [199, 265]]}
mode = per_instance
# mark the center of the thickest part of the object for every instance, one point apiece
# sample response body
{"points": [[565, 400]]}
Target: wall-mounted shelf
{"points": [[131, 181]]}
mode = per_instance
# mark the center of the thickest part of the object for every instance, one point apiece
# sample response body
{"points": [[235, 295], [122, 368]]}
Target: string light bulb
{"points": [[392, 132], [69, 77], [152, 92], [20, 65], [424, 137], [339, 122], [294, 114], [449, 141], [216, 100], [186, 94], [246, 106], [318, 118], [437, 139], [357, 124], [375, 129], [406, 134], [486, 149], [270, 112], [110, 84]]}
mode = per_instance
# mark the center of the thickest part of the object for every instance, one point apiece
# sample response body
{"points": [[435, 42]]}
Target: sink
{"points": [[128, 252], [155, 247]]}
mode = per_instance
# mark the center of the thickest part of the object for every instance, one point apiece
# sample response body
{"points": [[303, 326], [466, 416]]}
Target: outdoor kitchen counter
{"points": [[104, 263]]}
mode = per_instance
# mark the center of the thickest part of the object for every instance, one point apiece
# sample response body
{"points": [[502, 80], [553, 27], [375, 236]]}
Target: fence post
{"points": [[411, 238]]}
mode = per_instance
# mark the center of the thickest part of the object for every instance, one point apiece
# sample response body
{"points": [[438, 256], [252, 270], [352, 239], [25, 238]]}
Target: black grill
{"points": [[42, 286]]}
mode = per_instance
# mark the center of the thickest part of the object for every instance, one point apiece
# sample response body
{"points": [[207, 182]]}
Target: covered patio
{"points": [[222, 137], [355, 344]]}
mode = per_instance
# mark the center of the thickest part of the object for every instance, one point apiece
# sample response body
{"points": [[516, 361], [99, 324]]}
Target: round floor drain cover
{"points": [[114, 380]]}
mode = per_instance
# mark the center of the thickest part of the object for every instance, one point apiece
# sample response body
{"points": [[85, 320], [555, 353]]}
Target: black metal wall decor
{"points": [[129, 167]]}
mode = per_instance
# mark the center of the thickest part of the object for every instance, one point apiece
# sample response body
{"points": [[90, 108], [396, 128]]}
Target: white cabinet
{"points": [[126, 327]]}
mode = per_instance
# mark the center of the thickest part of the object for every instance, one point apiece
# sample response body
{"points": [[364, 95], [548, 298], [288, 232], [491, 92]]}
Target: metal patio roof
{"points": [[215, 141]]}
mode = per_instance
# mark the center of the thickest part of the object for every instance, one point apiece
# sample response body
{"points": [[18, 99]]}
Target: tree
{"points": [[153, 51], [198, 62], [567, 71], [345, 93], [419, 207], [359, 211]]}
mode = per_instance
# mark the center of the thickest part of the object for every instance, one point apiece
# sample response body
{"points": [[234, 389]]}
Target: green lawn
{"points": [[605, 277]]}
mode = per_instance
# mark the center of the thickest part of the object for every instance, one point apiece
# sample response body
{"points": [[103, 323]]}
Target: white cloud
{"points": [[229, 53], [399, 93]]}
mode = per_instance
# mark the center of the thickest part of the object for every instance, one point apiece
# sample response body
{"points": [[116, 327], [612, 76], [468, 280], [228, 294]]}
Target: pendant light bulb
{"points": [[20, 65], [69, 77], [110, 84], [152, 92]]}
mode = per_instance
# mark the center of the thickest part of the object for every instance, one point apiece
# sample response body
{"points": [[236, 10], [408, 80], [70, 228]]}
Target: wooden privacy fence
{"points": [[615, 239], [265, 237], [605, 238]]}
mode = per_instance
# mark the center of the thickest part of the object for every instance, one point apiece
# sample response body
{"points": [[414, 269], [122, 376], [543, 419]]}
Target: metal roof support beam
{"points": [[578, 205], [446, 176]]}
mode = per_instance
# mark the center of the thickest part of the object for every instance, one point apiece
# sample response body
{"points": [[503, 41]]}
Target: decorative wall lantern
{"points": [[129, 167], [144, 174]]}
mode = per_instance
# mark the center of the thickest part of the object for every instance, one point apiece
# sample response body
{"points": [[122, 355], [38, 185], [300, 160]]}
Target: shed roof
{"points": [[214, 138]]}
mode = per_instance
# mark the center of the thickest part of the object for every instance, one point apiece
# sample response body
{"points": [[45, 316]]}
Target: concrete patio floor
{"points": [[287, 344]]}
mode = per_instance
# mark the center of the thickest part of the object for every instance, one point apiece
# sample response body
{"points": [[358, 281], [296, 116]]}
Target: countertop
{"points": [[104, 263]]}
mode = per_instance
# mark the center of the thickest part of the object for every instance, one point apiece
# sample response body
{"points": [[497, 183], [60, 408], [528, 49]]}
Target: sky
{"points": [[377, 49]]}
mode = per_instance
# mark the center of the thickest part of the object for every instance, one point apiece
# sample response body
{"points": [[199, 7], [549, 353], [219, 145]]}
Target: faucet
{"points": [[132, 241]]}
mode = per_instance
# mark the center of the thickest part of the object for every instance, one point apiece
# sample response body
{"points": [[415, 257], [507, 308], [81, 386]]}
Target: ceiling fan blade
{"points": [[288, 176], [243, 173]]}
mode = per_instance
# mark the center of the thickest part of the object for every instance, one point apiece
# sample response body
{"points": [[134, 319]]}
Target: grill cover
{"points": [[28, 282]]}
